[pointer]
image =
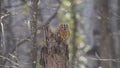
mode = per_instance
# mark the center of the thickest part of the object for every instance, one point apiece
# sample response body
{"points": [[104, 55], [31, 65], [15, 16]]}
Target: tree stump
{"points": [[55, 53]]}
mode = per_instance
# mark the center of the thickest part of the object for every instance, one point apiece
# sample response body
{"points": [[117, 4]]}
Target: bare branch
{"points": [[2, 17], [53, 16], [8, 66], [9, 60], [113, 60], [41, 27], [20, 43]]}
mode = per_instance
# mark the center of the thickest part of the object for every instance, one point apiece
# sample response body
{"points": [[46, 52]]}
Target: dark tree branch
{"points": [[40, 27], [34, 13], [52, 16], [20, 43]]}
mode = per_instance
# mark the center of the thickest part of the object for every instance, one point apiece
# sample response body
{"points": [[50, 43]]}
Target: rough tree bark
{"points": [[54, 54], [103, 11], [34, 11]]}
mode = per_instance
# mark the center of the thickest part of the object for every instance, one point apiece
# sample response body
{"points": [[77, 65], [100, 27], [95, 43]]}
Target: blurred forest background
{"points": [[94, 26]]}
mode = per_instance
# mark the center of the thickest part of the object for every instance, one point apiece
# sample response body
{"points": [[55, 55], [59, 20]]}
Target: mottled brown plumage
{"points": [[63, 31]]}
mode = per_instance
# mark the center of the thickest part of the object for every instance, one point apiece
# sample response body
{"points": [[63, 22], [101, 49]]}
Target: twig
{"points": [[20, 43], [114, 60], [9, 60], [55, 13], [5, 15], [7, 66]]}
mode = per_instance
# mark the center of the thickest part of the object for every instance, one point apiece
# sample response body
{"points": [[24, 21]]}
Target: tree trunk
{"points": [[34, 11], [103, 12], [54, 54], [74, 47]]}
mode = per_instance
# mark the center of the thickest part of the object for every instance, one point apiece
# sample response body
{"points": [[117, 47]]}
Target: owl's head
{"points": [[64, 26]]}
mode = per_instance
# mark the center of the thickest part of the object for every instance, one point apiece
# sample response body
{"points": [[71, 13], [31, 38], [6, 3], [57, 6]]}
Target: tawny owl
{"points": [[63, 31]]}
